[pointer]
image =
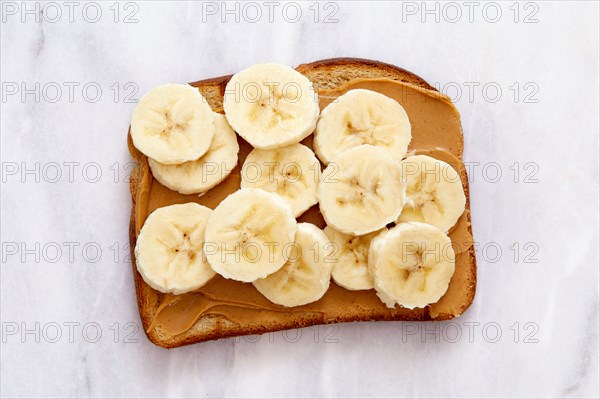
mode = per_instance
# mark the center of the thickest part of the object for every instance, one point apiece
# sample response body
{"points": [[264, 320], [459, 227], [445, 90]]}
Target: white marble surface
{"points": [[553, 60]]}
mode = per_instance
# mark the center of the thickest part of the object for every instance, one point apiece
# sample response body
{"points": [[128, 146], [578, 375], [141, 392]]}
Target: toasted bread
{"points": [[326, 75]]}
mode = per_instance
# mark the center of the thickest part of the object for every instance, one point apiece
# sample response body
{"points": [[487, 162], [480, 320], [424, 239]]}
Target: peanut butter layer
{"points": [[436, 131]]}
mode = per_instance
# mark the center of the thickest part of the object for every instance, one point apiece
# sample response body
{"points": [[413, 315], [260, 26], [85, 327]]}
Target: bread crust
{"points": [[326, 74]]}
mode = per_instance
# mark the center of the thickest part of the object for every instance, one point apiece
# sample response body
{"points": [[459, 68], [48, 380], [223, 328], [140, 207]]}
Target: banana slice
{"points": [[248, 234], [205, 172], [362, 117], [361, 191], [351, 253], [271, 105], [411, 265], [173, 124], [434, 190], [292, 172], [168, 251], [305, 276]]}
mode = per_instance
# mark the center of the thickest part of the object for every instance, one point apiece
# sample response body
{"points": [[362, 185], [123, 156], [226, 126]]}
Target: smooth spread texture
{"points": [[436, 131]]}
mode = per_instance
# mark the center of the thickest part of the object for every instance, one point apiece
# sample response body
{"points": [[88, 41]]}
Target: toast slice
{"points": [[338, 305]]}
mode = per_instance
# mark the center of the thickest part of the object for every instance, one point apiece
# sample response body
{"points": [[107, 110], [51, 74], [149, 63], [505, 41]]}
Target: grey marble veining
{"points": [[526, 83]]}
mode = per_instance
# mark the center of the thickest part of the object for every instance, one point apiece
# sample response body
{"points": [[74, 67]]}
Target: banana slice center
{"points": [[358, 250], [414, 272], [281, 175], [364, 131], [358, 192], [171, 123], [274, 104], [364, 135], [419, 263], [248, 234], [291, 176], [298, 273], [186, 246], [423, 196]]}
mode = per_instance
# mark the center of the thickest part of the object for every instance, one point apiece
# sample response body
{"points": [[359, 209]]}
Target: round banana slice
{"points": [[350, 269], [411, 265], [292, 172], [205, 172], [168, 251], [248, 233], [271, 105], [173, 124], [434, 192], [305, 276], [361, 191], [362, 117]]}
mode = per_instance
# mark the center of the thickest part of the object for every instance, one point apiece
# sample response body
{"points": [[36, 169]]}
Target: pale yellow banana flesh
{"points": [[173, 124], [434, 192], [361, 191], [306, 275], [247, 235], [202, 174], [292, 172], [362, 117], [271, 105], [411, 265], [169, 249], [351, 253]]}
